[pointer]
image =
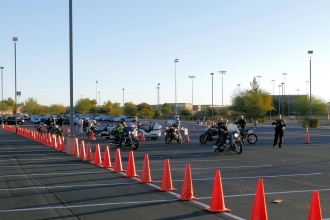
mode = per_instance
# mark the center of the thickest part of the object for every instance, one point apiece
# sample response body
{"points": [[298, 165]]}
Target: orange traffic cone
{"points": [[187, 191], [76, 148], [82, 153], [92, 137], [118, 166], [259, 207], [146, 176], [307, 136], [88, 153], [97, 155], [167, 178], [107, 160], [217, 201], [187, 138], [315, 212], [142, 136], [69, 133], [130, 172], [59, 143]]}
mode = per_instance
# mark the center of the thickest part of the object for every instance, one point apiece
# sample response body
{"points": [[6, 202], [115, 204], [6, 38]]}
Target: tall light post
{"points": [[99, 99], [123, 97], [221, 72], [239, 88], [1, 94], [283, 100], [96, 93], [158, 95], [15, 39], [279, 99], [192, 91], [212, 74], [259, 81], [310, 54], [270, 114], [176, 104]]}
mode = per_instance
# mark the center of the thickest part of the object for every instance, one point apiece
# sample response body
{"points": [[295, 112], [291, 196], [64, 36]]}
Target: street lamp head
{"points": [[282, 83], [1, 67], [279, 86], [192, 77], [176, 60], [222, 72], [238, 84], [15, 39], [284, 74], [310, 53], [96, 81], [158, 84], [123, 89], [273, 80], [307, 81], [211, 74]]}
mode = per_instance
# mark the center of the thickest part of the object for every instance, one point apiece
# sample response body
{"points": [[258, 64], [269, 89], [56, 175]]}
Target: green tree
{"points": [[10, 102], [31, 105], [302, 105], [185, 112], [84, 105], [167, 108], [145, 109], [130, 109], [253, 103], [108, 106], [117, 110], [56, 109]]}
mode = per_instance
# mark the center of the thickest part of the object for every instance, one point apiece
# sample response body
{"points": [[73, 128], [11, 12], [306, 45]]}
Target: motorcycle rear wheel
{"points": [[252, 138], [202, 139], [135, 145]]}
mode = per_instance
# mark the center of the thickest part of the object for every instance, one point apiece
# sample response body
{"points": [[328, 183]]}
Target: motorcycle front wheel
{"points": [[202, 139], [179, 140], [239, 147], [167, 139], [135, 144], [252, 138]]}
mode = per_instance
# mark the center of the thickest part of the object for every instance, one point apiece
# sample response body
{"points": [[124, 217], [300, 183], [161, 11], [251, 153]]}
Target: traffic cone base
{"points": [[187, 192], [146, 176], [131, 166], [217, 200], [167, 178]]}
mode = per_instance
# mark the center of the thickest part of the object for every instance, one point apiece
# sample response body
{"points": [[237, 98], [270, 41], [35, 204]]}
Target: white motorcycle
{"points": [[150, 130]]}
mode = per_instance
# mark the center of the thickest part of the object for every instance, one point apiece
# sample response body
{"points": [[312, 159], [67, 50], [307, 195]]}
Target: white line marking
{"points": [[50, 165], [206, 168], [50, 174], [34, 159]]}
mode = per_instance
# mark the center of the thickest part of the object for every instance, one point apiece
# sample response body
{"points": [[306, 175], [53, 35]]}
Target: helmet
{"points": [[122, 120], [177, 117], [241, 117], [220, 119], [224, 121]]}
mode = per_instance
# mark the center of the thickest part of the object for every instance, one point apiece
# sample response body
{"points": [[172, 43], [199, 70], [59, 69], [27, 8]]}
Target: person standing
{"points": [[120, 129], [80, 125], [279, 131]]}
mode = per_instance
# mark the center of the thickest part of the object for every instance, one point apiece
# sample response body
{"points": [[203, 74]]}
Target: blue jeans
{"points": [[120, 135]]}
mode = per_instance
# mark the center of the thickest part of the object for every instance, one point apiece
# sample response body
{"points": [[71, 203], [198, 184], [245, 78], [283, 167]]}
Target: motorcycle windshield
{"points": [[232, 128], [129, 129]]}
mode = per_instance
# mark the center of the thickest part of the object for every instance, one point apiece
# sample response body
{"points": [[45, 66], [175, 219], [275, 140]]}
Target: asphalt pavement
{"points": [[39, 182]]}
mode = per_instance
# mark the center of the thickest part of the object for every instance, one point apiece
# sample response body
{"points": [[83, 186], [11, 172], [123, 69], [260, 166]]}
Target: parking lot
{"points": [[39, 182]]}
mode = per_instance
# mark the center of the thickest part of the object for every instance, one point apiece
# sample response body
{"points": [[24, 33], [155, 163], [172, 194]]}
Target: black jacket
{"points": [[279, 125], [222, 131], [241, 123]]}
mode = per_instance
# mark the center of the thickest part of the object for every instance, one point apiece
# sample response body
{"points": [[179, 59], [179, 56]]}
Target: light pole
{"points": [[15, 39], [270, 114], [96, 93], [176, 104], [221, 72], [1, 93], [99, 99], [158, 95], [283, 100], [192, 90], [310, 54], [259, 81], [279, 99], [239, 88], [212, 74], [123, 97]]}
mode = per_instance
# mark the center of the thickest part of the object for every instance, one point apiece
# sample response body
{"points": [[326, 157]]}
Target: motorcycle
{"points": [[53, 129], [150, 130], [250, 136], [129, 138], [210, 134], [96, 130], [233, 141], [172, 133]]}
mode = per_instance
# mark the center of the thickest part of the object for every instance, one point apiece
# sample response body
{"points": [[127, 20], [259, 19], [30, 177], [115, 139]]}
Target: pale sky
{"points": [[133, 44]]}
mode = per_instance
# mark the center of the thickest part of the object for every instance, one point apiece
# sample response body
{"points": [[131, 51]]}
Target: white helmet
{"points": [[177, 117]]}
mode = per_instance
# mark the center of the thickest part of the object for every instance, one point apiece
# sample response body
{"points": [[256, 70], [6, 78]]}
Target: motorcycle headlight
{"points": [[236, 135]]}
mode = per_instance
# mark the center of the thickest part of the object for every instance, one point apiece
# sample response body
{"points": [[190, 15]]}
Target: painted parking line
{"points": [[51, 174], [206, 168], [43, 165]]}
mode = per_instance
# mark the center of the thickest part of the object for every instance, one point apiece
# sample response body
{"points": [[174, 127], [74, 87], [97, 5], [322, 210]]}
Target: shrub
{"points": [[311, 123]]}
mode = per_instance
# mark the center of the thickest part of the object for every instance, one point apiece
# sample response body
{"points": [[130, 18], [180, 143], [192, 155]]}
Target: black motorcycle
{"points": [[210, 135], [129, 138], [53, 129], [172, 133], [233, 141]]}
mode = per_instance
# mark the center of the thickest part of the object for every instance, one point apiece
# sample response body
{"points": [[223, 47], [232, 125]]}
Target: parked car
{"points": [[35, 120], [131, 119], [7, 120]]}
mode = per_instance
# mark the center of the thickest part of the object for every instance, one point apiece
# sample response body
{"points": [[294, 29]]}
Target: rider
{"points": [[241, 124], [120, 129], [177, 122], [222, 132]]}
